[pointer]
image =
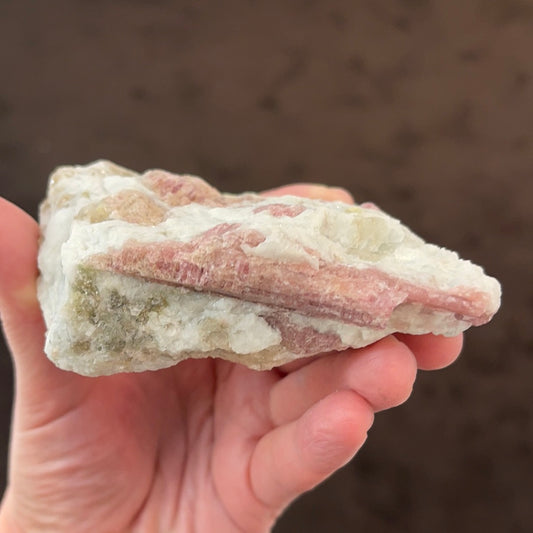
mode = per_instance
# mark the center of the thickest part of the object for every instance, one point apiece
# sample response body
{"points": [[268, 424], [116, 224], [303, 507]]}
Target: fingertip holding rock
{"points": [[314, 191], [19, 240], [433, 352], [383, 373], [330, 194]]}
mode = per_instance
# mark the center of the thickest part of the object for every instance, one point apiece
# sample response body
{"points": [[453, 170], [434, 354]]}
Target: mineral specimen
{"points": [[140, 271]]}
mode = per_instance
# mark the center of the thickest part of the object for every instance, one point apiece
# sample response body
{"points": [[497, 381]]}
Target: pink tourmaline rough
{"points": [[139, 271]]}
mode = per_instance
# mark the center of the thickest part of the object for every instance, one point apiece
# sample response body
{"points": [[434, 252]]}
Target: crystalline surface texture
{"points": [[140, 271]]}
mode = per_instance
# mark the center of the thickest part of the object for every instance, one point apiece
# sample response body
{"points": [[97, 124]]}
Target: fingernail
{"points": [[324, 192]]}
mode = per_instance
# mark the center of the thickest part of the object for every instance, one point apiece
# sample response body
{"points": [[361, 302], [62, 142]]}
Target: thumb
{"points": [[19, 308]]}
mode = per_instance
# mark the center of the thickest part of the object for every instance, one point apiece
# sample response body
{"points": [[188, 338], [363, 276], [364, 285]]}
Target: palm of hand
{"points": [[174, 450], [162, 451]]}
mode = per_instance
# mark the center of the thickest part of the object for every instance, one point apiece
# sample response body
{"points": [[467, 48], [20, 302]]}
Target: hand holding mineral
{"points": [[205, 445]]}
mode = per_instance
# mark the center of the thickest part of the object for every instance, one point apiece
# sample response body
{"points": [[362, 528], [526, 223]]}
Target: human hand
{"points": [[203, 446]]}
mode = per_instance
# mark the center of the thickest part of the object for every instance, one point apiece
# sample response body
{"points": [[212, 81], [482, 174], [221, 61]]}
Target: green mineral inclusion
{"points": [[118, 320]]}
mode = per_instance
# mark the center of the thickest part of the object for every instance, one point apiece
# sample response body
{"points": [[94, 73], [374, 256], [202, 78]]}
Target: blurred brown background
{"points": [[422, 106]]}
